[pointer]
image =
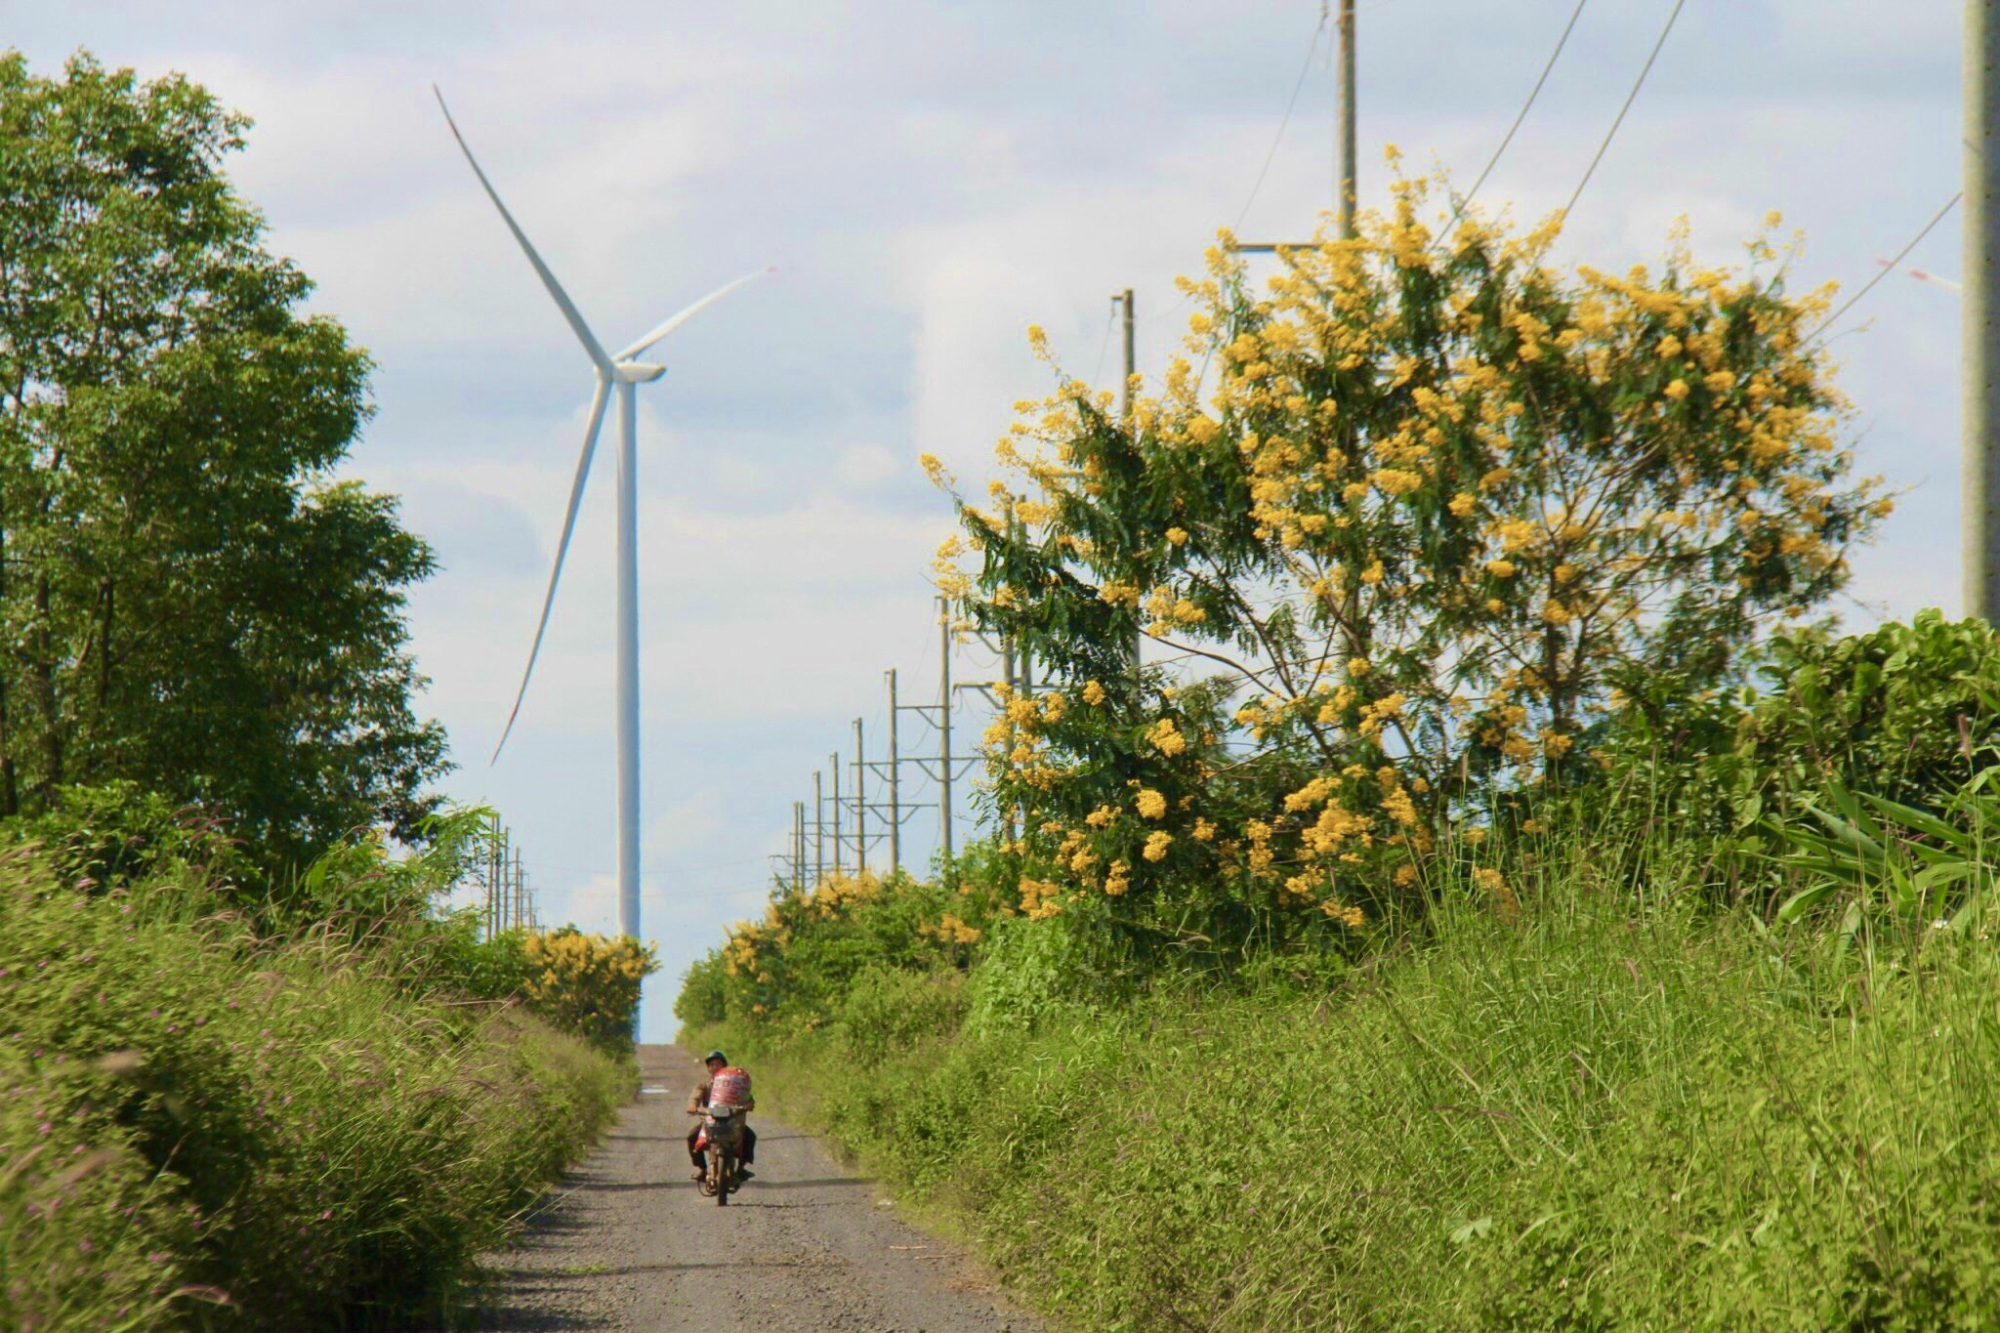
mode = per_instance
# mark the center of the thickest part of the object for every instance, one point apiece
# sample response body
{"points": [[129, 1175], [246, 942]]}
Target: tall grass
{"points": [[1609, 1109], [203, 1130]]}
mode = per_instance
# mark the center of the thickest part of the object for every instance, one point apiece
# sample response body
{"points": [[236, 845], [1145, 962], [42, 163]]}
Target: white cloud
{"points": [[867, 465]]}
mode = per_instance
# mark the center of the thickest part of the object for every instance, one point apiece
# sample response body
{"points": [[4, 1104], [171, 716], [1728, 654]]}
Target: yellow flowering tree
{"points": [[1430, 508], [587, 984]]}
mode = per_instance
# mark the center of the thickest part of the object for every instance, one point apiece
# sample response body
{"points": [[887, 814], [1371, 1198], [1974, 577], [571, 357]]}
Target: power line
{"points": [[1279, 138], [1110, 319], [1630, 98], [1513, 129], [1869, 286]]}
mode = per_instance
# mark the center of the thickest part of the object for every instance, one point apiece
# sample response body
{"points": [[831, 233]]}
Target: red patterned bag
{"points": [[730, 1088]]}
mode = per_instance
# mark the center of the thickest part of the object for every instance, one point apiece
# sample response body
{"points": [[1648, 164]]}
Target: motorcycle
{"points": [[722, 1139]]}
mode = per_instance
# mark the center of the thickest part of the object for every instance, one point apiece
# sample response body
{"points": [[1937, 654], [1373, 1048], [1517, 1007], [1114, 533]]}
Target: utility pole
{"points": [[1346, 184], [860, 802], [798, 845], [833, 763], [500, 878], [1980, 395], [496, 857], [819, 833], [1131, 363], [1124, 299], [944, 731], [1346, 191], [895, 786]]}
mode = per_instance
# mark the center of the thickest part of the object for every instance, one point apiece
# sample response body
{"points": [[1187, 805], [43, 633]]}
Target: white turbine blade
{"points": [[590, 343], [562, 549], [684, 316], [1931, 278]]}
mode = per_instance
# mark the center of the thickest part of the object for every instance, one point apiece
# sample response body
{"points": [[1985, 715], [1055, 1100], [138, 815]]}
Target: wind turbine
{"points": [[624, 372]]}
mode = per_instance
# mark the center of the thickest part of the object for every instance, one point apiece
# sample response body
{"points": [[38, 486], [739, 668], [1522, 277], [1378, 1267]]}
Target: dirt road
{"points": [[625, 1242]]}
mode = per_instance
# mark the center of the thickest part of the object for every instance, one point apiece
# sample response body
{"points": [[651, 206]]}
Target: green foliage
{"points": [[1030, 973], [887, 1011], [1895, 865], [188, 600], [235, 1098], [1594, 1116], [584, 984], [1905, 713], [78, 1205], [798, 963], [118, 834]]}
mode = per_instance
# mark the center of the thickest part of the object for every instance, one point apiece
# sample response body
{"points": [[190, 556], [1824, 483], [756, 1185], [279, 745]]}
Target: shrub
{"points": [[887, 1011], [282, 1096], [800, 960], [90, 1236], [1907, 713], [586, 984], [1593, 1116], [117, 833], [1442, 506]]}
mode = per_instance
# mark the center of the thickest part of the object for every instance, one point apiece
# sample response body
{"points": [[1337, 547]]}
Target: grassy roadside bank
{"points": [[1583, 1117], [205, 1129]]}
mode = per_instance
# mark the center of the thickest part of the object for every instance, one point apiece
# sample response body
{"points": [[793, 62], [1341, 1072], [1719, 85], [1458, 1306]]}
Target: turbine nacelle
{"points": [[636, 372]]}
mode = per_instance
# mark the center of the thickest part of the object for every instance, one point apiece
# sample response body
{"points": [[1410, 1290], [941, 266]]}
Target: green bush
{"points": [[1030, 973], [89, 1235], [255, 1098], [1614, 1110], [118, 833], [886, 1012], [1903, 711]]}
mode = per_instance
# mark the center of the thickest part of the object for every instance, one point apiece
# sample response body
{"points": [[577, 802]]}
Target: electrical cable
{"points": [[1277, 141], [1466, 203], [1105, 346], [1869, 286], [1630, 98], [1286, 121]]}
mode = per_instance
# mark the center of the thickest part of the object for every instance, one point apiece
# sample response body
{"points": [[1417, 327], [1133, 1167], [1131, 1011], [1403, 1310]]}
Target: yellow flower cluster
{"points": [[588, 983], [948, 929]]}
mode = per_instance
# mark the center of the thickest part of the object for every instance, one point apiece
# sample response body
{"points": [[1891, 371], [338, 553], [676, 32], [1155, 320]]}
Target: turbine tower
{"points": [[624, 372]]}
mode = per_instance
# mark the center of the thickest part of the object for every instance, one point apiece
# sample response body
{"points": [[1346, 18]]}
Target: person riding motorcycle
{"points": [[717, 1062]]}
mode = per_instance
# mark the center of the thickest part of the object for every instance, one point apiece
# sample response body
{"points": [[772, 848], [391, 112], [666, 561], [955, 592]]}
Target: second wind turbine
{"points": [[627, 373]]}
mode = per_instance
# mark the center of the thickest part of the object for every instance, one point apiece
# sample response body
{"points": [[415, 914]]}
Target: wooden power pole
{"points": [[1980, 394], [1346, 185]]}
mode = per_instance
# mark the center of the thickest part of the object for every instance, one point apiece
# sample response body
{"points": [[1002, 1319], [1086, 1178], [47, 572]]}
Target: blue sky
{"points": [[932, 179]]}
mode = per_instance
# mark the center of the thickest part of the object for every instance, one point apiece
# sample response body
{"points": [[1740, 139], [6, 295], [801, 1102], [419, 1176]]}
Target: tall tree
{"points": [[188, 598], [1444, 510]]}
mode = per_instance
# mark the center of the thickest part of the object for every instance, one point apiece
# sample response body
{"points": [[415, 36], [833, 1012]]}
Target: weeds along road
{"points": [[625, 1242]]}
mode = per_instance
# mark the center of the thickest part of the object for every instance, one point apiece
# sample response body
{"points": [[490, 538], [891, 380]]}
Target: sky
{"points": [[930, 180]]}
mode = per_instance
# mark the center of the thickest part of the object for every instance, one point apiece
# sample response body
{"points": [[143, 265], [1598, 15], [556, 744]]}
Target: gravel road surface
{"points": [[625, 1242]]}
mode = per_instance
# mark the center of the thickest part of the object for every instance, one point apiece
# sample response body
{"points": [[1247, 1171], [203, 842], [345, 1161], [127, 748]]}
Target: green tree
{"points": [[1432, 509], [188, 599]]}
